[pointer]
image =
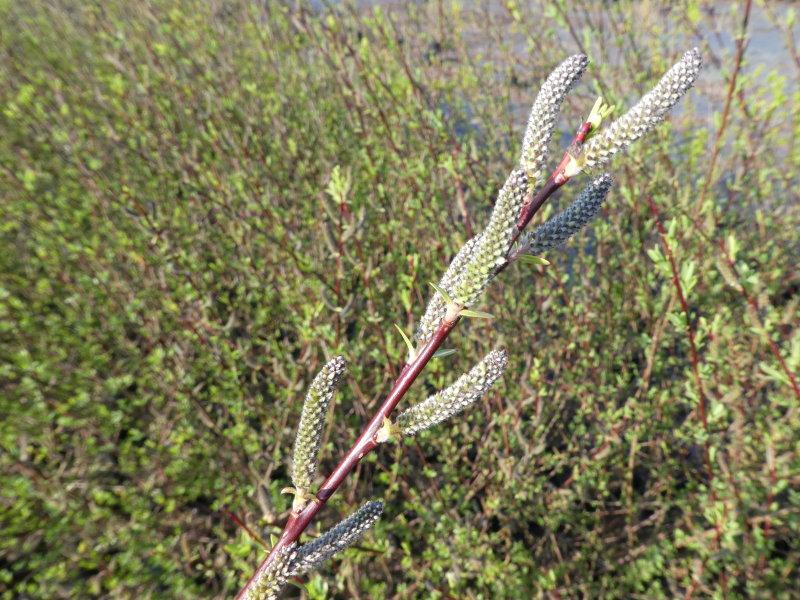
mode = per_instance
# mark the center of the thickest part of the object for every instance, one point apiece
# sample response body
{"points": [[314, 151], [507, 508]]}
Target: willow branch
{"points": [[366, 442]]}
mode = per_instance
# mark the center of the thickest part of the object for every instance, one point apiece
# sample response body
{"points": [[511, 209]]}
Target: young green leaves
{"points": [[644, 116], [312, 423], [454, 399], [563, 226], [542, 120]]}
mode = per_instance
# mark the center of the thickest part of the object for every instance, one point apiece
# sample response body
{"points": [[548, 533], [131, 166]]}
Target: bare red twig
{"points": [[702, 403], [232, 516], [723, 125]]}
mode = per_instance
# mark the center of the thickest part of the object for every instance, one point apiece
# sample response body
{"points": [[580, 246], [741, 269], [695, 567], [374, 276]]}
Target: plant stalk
{"points": [[366, 442]]}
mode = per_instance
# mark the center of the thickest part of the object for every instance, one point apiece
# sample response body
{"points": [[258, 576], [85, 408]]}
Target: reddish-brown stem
{"points": [[363, 445], [244, 526], [536, 201], [694, 356], [702, 408], [366, 442], [582, 133], [558, 178], [723, 124]]}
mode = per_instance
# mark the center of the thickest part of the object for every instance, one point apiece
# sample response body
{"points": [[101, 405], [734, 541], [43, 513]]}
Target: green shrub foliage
{"points": [[204, 202]]}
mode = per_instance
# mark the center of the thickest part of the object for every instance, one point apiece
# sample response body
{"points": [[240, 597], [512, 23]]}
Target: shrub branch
{"points": [[482, 259]]}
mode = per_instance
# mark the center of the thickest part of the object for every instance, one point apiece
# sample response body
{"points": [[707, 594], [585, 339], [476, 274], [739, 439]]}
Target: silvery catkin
{"points": [[336, 539], [544, 113], [312, 423], [454, 399], [646, 114], [563, 226]]}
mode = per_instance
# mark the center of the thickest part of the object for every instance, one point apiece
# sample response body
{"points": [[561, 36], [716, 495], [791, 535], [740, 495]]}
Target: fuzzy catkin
{"points": [[544, 113], [269, 582], [336, 539], [312, 423], [646, 114], [454, 399], [490, 251], [563, 226], [437, 308]]}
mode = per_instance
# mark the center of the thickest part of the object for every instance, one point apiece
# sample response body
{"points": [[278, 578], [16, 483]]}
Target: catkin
{"points": [[454, 399], [437, 307], [563, 226], [542, 120], [311, 555], [646, 114], [312, 423], [490, 251]]}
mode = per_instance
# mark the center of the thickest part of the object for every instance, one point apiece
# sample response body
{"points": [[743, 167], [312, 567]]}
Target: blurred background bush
{"points": [[201, 201]]}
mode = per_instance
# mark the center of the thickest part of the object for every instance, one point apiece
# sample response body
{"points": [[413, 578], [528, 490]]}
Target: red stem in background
{"points": [[723, 125], [702, 403], [244, 526], [365, 443], [695, 357]]}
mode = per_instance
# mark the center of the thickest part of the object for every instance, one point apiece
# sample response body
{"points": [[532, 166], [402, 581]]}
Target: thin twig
{"points": [[737, 67], [702, 401]]}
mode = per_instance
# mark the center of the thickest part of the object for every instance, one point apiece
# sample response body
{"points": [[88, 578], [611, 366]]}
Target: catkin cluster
{"points": [[470, 271], [477, 262]]}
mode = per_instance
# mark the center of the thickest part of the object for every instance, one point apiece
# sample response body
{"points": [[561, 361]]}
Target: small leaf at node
{"points": [[442, 293], [475, 314], [406, 340], [534, 260]]}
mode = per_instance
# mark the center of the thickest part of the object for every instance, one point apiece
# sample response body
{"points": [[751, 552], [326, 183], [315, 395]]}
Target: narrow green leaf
{"points": [[534, 260], [405, 339], [442, 352], [442, 293], [475, 314]]}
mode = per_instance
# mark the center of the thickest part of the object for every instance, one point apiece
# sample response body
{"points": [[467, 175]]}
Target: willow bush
{"points": [[203, 203]]}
